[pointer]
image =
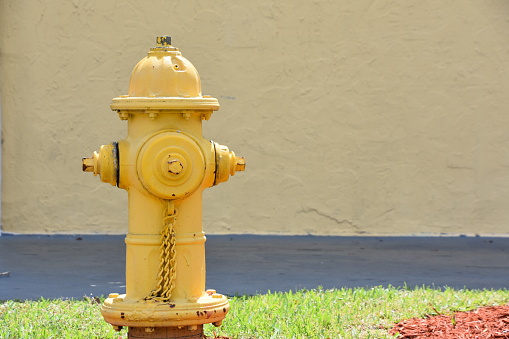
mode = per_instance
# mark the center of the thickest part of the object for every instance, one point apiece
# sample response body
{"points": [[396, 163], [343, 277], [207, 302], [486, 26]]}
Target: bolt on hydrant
{"points": [[164, 164]]}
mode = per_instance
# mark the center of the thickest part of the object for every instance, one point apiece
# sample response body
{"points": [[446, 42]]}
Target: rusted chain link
{"points": [[167, 252]]}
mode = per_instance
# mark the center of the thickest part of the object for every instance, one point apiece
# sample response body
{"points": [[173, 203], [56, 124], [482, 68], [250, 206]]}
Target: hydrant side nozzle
{"points": [[237, 164], [227, 163], [104, 163], [108, 163]]}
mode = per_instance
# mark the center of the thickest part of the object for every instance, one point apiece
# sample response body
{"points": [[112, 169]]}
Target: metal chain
{"points": [[168, 257]]}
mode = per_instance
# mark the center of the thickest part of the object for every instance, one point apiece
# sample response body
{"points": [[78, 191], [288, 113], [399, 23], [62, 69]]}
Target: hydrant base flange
{"points": [[120, 311]]}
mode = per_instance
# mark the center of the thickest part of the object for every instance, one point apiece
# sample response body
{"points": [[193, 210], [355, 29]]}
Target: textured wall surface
{"points": [[356, 117]]}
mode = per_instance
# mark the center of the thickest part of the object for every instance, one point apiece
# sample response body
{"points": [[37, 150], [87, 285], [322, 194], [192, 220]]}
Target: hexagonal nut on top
{"points": [[163, 40]]}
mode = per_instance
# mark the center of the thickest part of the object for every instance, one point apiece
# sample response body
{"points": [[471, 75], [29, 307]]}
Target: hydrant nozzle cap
{"points": [[163, 41]]}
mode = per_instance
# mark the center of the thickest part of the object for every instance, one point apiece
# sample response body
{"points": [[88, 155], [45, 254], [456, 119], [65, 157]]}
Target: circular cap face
{"points": [[171, 165]]}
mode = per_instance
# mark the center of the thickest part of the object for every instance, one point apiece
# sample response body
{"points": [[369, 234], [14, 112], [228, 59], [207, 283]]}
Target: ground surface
{"points": [[485, 322], [93, 265]]}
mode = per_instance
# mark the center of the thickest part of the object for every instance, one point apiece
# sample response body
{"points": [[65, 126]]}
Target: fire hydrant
{"points": [[164, 164]]}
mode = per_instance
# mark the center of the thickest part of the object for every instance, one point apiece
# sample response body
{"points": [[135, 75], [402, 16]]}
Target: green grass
{"points": [[338, 313], [47, 319]]}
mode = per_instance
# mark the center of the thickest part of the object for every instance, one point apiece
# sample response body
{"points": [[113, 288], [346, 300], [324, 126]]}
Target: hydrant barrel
{"points": [[164, 164]]}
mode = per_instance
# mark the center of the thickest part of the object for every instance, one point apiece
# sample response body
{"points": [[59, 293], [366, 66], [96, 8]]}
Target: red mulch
{"points": [[485, 322]]}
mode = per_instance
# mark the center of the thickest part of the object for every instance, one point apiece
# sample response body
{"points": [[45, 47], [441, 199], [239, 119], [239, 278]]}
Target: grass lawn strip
{"points": [[336, 313]]}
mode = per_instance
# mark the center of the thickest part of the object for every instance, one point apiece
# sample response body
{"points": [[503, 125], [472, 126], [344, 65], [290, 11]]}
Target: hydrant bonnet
{"points": [[165, 79]]}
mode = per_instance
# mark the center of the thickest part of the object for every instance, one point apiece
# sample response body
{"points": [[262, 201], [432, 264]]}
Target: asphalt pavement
{"points": [[64, 266]]}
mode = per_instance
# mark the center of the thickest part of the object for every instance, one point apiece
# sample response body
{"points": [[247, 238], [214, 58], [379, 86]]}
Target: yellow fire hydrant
{"points": [[164, 164]]}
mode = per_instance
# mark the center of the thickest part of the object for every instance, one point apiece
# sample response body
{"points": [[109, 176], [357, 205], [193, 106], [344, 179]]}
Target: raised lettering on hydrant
{"points": [[164, 163]]}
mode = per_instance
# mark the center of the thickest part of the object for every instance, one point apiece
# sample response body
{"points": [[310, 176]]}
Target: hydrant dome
{"points": [[164, 73], [164, 80]]}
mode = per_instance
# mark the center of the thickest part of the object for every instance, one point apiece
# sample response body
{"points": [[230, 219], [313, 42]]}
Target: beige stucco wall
{"points": [[356, 117]]}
